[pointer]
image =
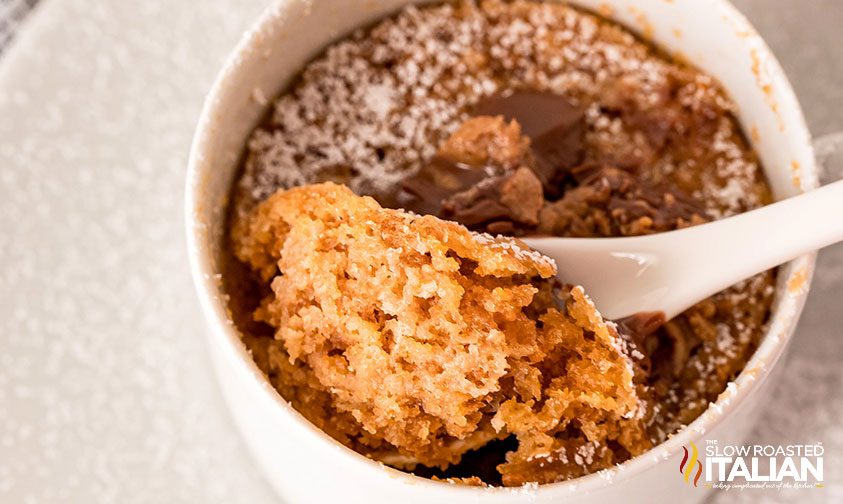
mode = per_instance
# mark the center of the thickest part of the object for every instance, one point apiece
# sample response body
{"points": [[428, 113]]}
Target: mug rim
{"points": [[755, 372]]}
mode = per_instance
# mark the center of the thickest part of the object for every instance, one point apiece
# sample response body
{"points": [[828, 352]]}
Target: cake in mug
{"points": [[374, 268]]}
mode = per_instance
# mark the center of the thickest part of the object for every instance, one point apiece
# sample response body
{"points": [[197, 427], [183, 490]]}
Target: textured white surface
{"points": [[12, 14], [105, 390]]}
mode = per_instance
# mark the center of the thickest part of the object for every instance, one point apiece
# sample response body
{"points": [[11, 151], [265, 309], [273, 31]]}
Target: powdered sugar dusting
{"points": [[374, 107], [511, 246]]}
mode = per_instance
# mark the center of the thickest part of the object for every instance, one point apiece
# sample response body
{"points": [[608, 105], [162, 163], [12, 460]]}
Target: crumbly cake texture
{"points": [[660, 149], [429, 340]]}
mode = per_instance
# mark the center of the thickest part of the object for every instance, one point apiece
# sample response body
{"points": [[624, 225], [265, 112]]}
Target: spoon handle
{"points": [[709, 258], [672, 271]]}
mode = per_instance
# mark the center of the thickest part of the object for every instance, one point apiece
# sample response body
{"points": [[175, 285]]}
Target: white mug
{"points": [[304, 464]]}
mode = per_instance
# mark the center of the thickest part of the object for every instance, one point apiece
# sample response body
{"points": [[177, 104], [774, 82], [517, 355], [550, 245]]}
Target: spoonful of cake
{"points": [[670, 272]]}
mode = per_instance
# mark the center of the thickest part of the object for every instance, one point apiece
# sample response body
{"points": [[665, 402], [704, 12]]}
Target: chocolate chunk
{"points": [[475, 206], [554, 125], [556, 151], [515, 197]]}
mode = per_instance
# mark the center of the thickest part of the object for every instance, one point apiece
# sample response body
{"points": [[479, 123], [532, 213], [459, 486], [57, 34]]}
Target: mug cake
{"points": [[374, 269]]}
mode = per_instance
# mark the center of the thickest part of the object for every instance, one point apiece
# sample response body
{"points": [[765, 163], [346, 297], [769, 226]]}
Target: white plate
{"points": [[105, 389]]}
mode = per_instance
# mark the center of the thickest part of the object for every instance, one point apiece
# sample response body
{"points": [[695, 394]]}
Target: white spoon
{"points": [[672, 271]]}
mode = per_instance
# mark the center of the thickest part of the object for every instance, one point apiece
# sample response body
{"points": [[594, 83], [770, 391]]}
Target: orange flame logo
{"points": [[690, 461]]}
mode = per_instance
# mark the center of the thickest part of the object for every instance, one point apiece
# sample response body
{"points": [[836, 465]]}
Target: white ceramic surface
{"points": [[302, 463]]}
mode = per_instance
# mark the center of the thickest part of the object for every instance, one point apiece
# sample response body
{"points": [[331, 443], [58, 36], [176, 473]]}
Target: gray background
{"points": [[172, 460]]}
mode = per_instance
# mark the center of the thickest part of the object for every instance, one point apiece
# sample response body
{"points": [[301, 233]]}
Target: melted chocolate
{"points": [[640, 325], [618, 199], [426, 191], [554, 125], [538, 113], [476, 196]]}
